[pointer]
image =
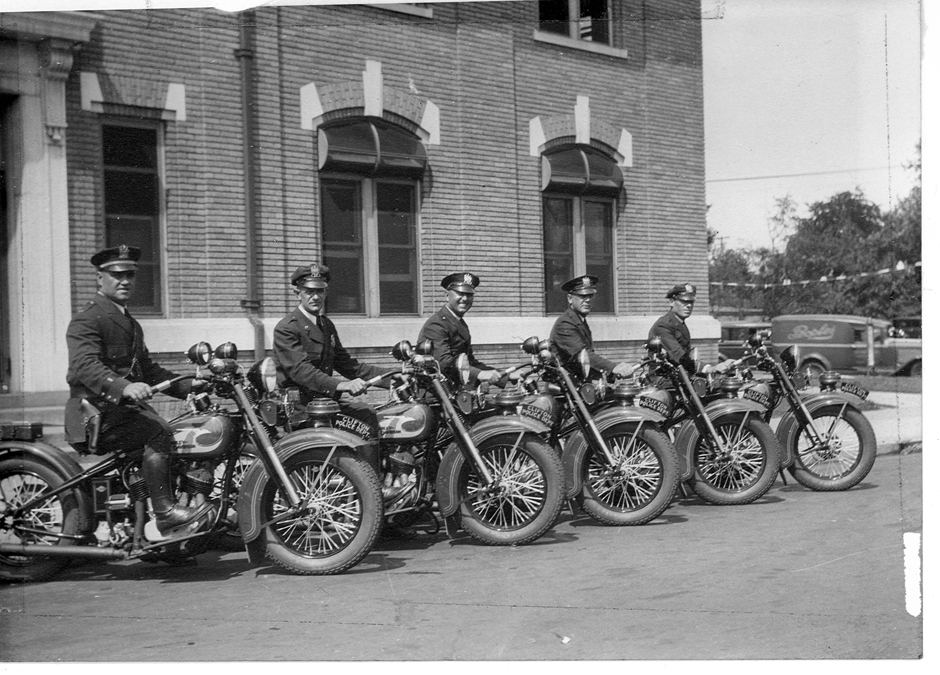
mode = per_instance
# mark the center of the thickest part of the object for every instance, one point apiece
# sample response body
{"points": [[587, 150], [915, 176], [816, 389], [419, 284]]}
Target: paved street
{"points": [[799, 575]]}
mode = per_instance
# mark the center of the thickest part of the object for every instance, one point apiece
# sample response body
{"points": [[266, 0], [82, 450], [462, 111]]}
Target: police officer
{"points": [[571, 332], [674, 333], [448, 332], [307, 351], [110, 367]]}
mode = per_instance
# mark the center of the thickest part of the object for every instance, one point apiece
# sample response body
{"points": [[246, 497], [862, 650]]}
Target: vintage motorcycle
{"points": [[307, 502], [826, 442], [498, 479], [620, 468], [727, 453]]}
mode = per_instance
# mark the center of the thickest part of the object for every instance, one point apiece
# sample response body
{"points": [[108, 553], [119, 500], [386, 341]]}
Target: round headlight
{"points": [[424, 347], [403, 351], [226, 350], [200, 353], [531, 345], [654, 345]]}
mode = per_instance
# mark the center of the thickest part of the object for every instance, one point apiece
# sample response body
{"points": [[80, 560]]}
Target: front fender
{"points": [[448, 475], [60, 462], [687, 435], [788, 431], [576, 447], [256, 478]]}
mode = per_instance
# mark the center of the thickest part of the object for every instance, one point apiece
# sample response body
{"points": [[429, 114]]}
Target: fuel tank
{"points": [[656, 400], [203, 436], [541, 407], [406, 422], [759, 392]]}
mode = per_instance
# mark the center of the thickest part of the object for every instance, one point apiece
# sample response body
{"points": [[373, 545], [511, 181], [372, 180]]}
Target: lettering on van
{"points": [[823, 333]]}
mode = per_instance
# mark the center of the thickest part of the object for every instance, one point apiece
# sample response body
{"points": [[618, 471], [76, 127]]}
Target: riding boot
{"points": [[156, 470]]}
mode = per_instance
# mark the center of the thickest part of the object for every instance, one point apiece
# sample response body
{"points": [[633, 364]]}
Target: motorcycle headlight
{"points": [[790, 357], [199, 353], [531, 345], [424, 347], [226, 350], [588, 393], [403, 351]]}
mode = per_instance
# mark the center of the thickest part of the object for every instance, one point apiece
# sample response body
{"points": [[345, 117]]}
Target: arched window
{"points": [[579, 189], [369, 177]]}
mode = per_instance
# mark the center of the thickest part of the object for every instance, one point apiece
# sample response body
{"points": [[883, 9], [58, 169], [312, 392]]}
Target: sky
{"points": [[806, 98]]}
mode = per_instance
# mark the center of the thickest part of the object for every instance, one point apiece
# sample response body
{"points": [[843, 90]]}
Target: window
{"points": [[577, 19], [131, 161], [370, 172], [578, 240], [579, 187]]}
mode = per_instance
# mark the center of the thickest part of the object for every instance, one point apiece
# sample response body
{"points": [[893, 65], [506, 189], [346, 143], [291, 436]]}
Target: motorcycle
{"points": [[307, 501], [497, 478], [826, 443], [727, 453], [619, 467]]}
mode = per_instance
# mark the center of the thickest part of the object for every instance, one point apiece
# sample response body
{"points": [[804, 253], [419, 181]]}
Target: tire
{"points": [[842, 466], [916, 369], [21, 480], [530, 473], [812, 369], [645, 484], [751, 468], [343, 524]]}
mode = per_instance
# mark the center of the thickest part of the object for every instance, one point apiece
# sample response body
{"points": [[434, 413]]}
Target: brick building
{"points": [[398, 143]]}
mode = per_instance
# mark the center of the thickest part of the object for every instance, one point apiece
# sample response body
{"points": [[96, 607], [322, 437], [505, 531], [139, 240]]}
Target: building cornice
{"points": [[35, 26]]}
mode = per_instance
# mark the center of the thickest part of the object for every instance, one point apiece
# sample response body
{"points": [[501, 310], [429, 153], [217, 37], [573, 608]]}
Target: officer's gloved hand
{"points": [[137, 391], [623, 370], [487, 376]]}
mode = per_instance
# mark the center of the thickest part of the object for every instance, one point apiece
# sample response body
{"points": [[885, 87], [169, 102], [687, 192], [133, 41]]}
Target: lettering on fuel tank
{"points": [[803, 332], [758, 397], [654, 404], [352, 425], [537, 414]]}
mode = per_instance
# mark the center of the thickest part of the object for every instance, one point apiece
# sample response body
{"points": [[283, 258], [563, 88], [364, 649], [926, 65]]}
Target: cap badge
{"points": [[689, 289], [124, 252], [468, 279], [586, 282]]}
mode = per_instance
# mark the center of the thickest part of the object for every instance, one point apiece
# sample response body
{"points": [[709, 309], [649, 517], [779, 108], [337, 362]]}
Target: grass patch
{"points": [[888, 383]]}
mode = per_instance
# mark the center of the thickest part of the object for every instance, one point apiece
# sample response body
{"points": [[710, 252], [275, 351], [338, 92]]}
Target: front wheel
{"points": [[746, 466], [340, 518], [525, 498], [641, 483], [844, 457], [55, 521]]}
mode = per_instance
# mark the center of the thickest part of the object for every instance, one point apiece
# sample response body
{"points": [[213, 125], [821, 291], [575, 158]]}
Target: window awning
{"points": [[371, 148], [581, 170]]}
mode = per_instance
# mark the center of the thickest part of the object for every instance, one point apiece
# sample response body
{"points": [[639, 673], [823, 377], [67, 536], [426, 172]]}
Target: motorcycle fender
{"points": [[789, 427], [453, 460], [58, 461], [685, 439], [576, 446], [724, 406], [324, 439]]}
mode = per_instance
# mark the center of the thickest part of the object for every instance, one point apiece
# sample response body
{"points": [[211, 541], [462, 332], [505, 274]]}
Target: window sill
{"points": [[583, 45], [406, 8]]}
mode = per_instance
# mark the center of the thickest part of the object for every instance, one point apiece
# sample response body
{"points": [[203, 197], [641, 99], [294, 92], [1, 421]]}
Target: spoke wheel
{"points": [[340, 520], [20, 481], [526, 495], [843, 459], [747, 468], [639, 486]]}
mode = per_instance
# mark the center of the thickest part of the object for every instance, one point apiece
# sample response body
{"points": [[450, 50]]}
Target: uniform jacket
{"points": [[676, 338], [450, 337], [107, 353], [569, 336], [307, 356]]}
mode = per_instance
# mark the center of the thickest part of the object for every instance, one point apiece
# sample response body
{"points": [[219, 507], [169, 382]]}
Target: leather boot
{"points": [[156, 470]]}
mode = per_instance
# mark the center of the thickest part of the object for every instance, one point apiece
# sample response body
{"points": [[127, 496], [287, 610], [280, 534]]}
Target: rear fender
{"points": [[576, 447], [63, 465], [323, 440], [448, 474], [788, 430]]}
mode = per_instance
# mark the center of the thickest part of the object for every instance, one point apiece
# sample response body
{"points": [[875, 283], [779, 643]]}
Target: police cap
{"points": [[464, 282], [116, 259], [583, 285], [311, 276], [681, 292]]}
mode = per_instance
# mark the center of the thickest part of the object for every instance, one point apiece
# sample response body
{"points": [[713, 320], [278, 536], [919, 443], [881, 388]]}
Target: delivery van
{"points": [[840, 342], [734, 334]]}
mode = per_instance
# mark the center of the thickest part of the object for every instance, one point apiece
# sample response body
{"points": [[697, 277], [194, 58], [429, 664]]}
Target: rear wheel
{"points": [[845, 456], [341, 518], [525, 498], [45, 524], [639, 486], [812, 369], [747, 467]]}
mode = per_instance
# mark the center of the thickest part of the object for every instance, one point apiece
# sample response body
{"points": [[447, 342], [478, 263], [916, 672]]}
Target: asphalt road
{"points": [[797, 575]]}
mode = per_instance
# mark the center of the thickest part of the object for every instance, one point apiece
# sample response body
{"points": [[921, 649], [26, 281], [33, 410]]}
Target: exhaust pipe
{"points": [[91, 552]]}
